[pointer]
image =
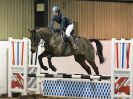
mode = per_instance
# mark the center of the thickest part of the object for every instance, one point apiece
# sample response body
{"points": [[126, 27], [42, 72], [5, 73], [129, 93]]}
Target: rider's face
{"points": [[55, 14]]}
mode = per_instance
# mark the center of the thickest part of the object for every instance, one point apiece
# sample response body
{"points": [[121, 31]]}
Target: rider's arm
{"points": [[63, 24], [52, 24]]}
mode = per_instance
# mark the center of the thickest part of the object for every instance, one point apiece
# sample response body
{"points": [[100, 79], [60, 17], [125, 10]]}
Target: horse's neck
{"points": [[56, 45], [45, 36], [44, 33], [58, 38]]}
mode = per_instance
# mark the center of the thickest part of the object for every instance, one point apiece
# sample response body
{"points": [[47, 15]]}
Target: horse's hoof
{"points": [[45, 68], [53, 68]]}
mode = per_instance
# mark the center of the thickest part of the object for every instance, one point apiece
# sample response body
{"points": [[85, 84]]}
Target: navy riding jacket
{"points": [[62, 20]]}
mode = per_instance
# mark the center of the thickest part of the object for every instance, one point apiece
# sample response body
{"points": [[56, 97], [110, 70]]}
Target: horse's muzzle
{"points": [[33, 51]]}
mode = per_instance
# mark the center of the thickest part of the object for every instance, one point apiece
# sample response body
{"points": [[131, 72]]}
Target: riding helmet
{"points": [[55, 9]]}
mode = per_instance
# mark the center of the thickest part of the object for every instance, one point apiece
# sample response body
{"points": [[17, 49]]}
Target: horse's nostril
{"points": [[33, 51]]}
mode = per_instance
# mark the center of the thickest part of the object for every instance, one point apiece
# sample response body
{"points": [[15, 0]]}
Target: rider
{"points": [[65, 24]]}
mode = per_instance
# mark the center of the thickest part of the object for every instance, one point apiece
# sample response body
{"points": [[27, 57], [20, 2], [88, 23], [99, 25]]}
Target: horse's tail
{"points": [[99, 49]]}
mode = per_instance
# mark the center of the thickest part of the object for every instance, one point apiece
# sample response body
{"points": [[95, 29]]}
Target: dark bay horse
{"points": [[56, 47]]}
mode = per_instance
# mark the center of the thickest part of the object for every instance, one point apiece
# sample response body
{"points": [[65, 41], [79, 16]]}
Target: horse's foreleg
{"points": [[50, 63], [44, 54]]}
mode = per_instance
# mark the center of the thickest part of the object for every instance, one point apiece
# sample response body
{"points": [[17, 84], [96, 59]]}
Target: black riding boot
{"points": [[71, 40]]}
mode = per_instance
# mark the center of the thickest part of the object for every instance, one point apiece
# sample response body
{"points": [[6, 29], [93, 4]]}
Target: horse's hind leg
{"points": [[81, 60], [95, 68]]}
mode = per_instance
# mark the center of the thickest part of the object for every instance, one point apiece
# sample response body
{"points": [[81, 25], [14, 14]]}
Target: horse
{"points": [[55, 46]]}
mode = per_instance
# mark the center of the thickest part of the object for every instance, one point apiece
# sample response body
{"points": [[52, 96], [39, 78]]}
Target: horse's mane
{"points": [[47, 31], [44, 33], [44, 30]]}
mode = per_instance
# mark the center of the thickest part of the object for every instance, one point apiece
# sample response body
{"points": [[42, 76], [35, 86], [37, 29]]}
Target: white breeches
{"points": [[69, 30]]}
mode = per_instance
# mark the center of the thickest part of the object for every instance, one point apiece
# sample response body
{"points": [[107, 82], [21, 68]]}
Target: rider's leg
{"points": [[68, 32], [71, 40]]}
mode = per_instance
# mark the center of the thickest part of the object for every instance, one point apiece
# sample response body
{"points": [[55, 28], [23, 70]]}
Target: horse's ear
{"points": [[36, 28], [29, 30], [34, 31]]}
